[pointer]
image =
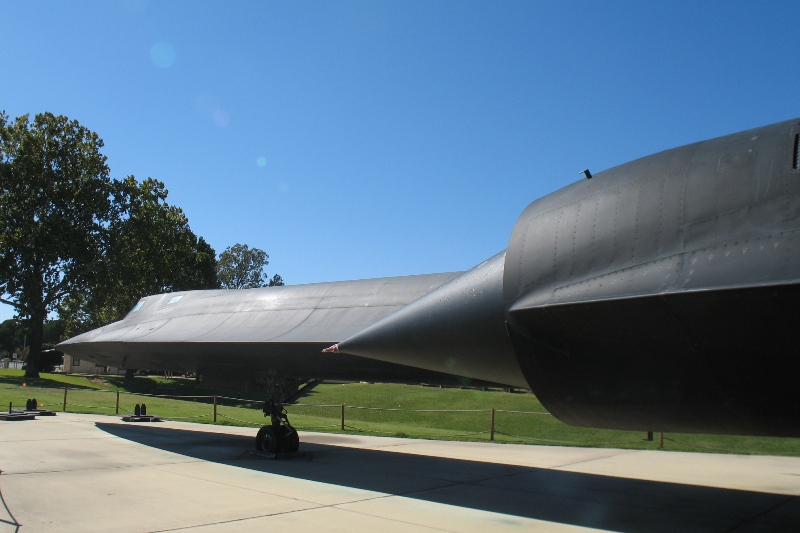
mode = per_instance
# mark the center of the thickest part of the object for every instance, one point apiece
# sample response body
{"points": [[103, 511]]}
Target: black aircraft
{"points": [[656, 296]]}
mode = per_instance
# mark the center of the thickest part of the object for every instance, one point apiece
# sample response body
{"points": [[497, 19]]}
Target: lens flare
{"points": [[261, 161], [221, 118], [162, 54]]}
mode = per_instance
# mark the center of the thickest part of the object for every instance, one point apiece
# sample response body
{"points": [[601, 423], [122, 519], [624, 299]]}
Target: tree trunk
{"points": [[34, 351]]}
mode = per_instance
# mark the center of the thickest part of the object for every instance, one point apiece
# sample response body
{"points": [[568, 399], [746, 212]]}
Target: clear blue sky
{"points": [[365, 139]]}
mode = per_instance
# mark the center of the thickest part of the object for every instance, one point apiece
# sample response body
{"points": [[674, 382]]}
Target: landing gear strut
{"points": [[280, 436]]}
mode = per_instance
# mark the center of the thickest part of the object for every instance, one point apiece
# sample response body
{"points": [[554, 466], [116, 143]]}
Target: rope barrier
{"points": [[420, 410], [697, 445], [364, 430], [182, 417], [89, 406], [167, 396], [572, 443], [345, 426], [370, 430], [239, 399], [524, 412], [311, 405], [241, 421]]}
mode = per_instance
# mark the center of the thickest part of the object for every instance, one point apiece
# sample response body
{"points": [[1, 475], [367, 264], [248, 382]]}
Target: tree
{"points": [[53, 333], [11, 337], [150, 250], [241, 267], [55, 208], [201, 271]]}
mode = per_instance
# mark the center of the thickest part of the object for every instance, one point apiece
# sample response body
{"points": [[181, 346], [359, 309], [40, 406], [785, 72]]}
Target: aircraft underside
{"points": [[652, 363]]}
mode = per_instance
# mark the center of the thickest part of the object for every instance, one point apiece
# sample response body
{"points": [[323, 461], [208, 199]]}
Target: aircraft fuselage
{"points": [[657, 295]]}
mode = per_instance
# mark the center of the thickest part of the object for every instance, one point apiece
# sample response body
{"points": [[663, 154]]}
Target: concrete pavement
{"points": [[76, 472]]}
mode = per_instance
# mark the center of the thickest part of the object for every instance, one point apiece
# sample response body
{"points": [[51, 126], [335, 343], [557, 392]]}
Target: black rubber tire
{"points": [[267, 440], [290, 440]]}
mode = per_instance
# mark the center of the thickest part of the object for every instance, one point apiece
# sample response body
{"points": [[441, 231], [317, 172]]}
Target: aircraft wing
{"points": [[233, 337]]}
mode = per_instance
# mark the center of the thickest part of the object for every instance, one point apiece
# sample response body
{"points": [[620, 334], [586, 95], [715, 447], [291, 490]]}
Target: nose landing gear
{"points": [[279, 437]]}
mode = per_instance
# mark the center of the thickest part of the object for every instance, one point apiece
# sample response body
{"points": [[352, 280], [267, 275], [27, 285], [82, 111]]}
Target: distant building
{"points": [[82, 366], [11, 363]]}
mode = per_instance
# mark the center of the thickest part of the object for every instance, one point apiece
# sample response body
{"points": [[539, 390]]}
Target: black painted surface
{"points": [[709, 362]]}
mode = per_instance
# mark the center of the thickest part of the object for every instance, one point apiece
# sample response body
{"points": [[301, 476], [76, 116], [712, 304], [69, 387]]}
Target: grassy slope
{"points": [[98, 395]]}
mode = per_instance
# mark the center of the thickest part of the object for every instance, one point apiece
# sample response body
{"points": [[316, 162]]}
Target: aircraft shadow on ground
{"points": [[579, 499]]}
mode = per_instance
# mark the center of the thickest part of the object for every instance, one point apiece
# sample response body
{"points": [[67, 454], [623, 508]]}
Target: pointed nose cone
{"points": [[458, 328]]}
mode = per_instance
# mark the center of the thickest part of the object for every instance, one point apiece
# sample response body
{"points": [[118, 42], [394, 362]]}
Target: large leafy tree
{"points": [[11, 337], [242, 267], [150, 250], [55, 207], [14, 336]]}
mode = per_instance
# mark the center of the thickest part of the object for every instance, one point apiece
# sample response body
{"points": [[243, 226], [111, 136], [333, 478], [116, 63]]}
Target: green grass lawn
{"points": [[394, 410]]}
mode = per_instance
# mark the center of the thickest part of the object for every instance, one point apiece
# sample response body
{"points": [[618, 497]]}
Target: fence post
{"points": [[661, 444], [342, 417], [215, 408], [491, 431], [64, 409], [117, 411]]}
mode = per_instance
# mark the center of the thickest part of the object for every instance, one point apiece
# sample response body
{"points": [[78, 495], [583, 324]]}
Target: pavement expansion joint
{"points": [[231, 485], [746, 523], [243, 519], [105, 437], [296, 511], [397, 445], [314, 507], [474, 482], [592, 459], [101, 468], [376, 515]]}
